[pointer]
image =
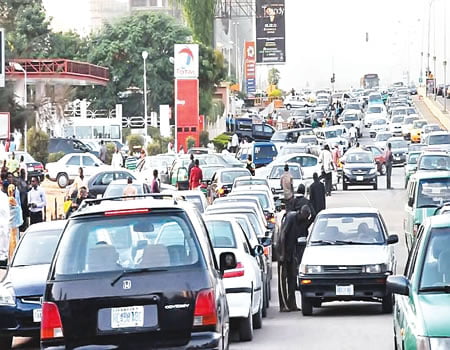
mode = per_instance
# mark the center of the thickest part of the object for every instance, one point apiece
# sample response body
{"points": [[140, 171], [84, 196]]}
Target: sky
{"points": [[326, 36]]}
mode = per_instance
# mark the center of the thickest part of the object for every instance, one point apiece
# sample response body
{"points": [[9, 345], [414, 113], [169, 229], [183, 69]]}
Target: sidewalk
{"points": [[435, 108]]}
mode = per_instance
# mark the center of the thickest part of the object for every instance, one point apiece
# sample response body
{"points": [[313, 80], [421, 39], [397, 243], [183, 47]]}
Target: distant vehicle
{"points": [[308, 163], [399, 150], [116, 188], [262, 153], [433, 160], [197, 198], [222, 181], [98, 182], [378, 125], [438, 139], [411, 165], [370, 81], [246, 129], [416, 130], [277, 170], [295, 102], [68, 145], [355, 119], [426, 129], [283, 137], [395, 125], [381, 138], [380, 159], [199, 150], [407, 126], [373, 113], [34, 168]]}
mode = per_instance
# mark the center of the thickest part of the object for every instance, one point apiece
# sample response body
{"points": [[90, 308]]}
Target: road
{"points": [[336, 325]]}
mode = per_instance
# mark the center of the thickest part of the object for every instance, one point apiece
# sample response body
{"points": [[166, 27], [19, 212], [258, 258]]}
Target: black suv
{"points": [[359, 169], [136, 274]]}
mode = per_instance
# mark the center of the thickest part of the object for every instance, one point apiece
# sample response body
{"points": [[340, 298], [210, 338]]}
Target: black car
{"points": [[68, 145], [359, 169], [97, 183], [399, 150], [34, 168], [136, 274]]}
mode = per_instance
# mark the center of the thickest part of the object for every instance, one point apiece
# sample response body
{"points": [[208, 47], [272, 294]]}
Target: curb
{"points": [[436, 111]]}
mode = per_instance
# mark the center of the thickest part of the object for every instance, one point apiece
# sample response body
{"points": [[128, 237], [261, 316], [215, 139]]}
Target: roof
{"points": [[431, 175], [125, 182], [350, 210], [438, 133], [440, 221], [47, 226]]}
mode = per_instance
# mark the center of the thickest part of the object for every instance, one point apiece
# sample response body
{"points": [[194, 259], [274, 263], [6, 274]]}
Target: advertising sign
{"points": [[2, 57], [187, 111], [270, 31], [4, 125], [186, 65], [250, 67]]}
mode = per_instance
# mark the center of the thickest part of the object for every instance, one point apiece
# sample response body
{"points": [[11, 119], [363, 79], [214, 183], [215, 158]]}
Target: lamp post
{"points": [[19, 67], [445, 86], [145, 56], [434, 76], [429, 40]]}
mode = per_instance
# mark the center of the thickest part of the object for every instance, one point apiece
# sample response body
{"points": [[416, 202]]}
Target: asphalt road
{"points": [[338, 325]]}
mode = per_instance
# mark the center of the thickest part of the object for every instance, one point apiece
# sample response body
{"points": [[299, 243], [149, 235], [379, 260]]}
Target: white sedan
{"points": [[275, 172], [243, 285], [65, 170], [378, 125], [308, 163]]}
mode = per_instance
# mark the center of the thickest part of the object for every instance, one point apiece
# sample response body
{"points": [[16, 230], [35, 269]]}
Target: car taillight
{"points": [[39, 167], [51, 325], [126, 212], [205, 313], [239, 271]]}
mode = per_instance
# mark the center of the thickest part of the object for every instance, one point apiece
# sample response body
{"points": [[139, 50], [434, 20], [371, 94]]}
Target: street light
{"points": [[145, 56], [445, 86], [434, 76], [19, 67]]}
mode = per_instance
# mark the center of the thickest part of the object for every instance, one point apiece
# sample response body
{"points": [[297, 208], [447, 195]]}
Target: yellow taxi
{"points": [[416, 130]]}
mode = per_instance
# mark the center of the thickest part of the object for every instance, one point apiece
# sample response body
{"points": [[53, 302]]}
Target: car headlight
{"points": [[7, 296], [310, 269], [376, 268], [438, 343], [372, 171], [423, 343]]}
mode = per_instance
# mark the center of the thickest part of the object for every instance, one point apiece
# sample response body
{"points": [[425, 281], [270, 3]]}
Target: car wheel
{"points": [[344, 186], [387, 304], [265, 301], [288, 107], [375, 186], [383, 169], [6, 343], [62, 180], [246, 328], [257, 318], [317, 303], [307, 306]]}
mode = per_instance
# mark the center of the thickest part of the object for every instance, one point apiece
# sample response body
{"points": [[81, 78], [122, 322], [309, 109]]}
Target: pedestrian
{"points": [[117, 160], [13, 165], [155, 183], [82, 195], [287, 185], [23, 166], [389, 160], [22, 187], [181, 150], [15, 220], [102, 153], [12, 145], [353, 134], [4, 226], [300, 200], [234, 143], [191, 165], [80, 181], [196, 176], [295, 225], [315, 123], [10, 180], [250, 166], [326, 159], [336, 156], [36, 201], [130, 189], [317, 194], [4, 170]]}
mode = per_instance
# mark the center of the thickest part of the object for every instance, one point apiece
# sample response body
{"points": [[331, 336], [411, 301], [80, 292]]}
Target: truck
{"points": [[246, 129], [370, 81]]}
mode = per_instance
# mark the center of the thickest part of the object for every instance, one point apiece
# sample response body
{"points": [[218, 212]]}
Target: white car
{"points": [[348, 256], [353, 118], [308, 163], [295, 102], [373, 113], [65, 170], [395, 126], [332, 136], [243, 285], [381, 139], [407, 126], [277, 170], [378, 125]]}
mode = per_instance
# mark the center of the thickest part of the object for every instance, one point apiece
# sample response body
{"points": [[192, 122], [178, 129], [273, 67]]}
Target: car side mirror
{"points": [[392, 239], [258, 250], [301, 241], [265, 241], [227, 261], [398, 285]]}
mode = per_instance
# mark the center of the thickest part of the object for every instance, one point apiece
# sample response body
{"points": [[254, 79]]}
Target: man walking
{"points": [[102, 153], [191, 165], [36, 201], [287, 185], [389, 159], [196, 176], [155, 182], [326, 159], [234, 143], [300, 200], [317, 194]]}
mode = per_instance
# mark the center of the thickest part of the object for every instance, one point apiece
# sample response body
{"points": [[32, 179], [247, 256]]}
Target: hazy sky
{"points": [[326, 34]]}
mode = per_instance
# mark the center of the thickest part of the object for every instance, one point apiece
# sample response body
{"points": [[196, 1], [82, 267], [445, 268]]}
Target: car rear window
{"points": [[278, 171], [227, 177], [265, 152], [37, 248], [221, 234], [126, 242], [117, 190]]}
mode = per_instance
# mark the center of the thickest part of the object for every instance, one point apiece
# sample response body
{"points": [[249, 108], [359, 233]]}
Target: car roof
{"points": [[438, 174], [351, 210], [47, 226], [440, 221], [125, 182], [435, 153], [438, 133], [219, 171]]}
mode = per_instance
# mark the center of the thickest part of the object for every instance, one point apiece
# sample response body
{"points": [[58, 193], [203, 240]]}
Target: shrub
{"points": [[153, 149], [135, 142], [190, 141], [204, 138], [38, 144], [54, 157], [110, 148], [221, 142]]}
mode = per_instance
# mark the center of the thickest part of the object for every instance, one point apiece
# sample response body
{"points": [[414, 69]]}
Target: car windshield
{"points": [[399, 111], [374, 110], [117, 190], [382, 137], [265, 152], [36, 248], [352, 106], [294, 149], [434, 162], [398, 120], [433, 192], [277, 171], [411, 111], [436, 265], [431, 128], [439, 139], [309, 140], [380, 122], [221, 233], [331, 134], [157, 239], [419, 124], [350, 117], [409, 121], [227, 177], [359, 157], [279, 136], [250, 182], [399, 144], [208, 172], [347, 228], [413, 157]]}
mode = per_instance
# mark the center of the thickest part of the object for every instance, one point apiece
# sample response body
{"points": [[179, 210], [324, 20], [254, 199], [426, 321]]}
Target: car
{"points": [[438, 139], [222, 181], [143, 269], [295, 148], [283, 137], [355, 119], [399, 149], [359, 169], [332, 136], [65, 170], [433, 160], [262, 153], [244, 181], [407, 126], [379, 157], [347, 256], [411, 165], [308, 163], [381, 138], [116, 188], [295, 102], [378, 125], [98, 182], [300, 115], [276, 170], [427, 128], [243, 285], [23, 285], [67, 146], [146, 166], [373, 113], [426, 191], [416, 130], [34, 168], [395, 125], [197, 198], [421, 310], [199, 150]]}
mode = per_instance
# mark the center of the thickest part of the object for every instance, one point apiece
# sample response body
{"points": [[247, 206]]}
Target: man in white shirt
{"points": [[36, 201], [353, 133], [326, 159], [234, 143]]}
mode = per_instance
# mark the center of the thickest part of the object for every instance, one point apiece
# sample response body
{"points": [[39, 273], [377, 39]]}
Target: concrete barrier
{"points": [[444, 119]]}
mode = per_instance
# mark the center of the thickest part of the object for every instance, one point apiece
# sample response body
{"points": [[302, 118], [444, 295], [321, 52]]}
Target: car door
{"points": [[409, 213], [90, 166], [73, 165], [100, 183]]}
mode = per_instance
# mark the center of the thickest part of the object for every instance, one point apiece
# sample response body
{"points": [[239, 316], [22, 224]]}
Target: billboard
{"points": [[187, 111], [4, 125], [250, 67], [186, 61], [270, 31], [2, 57]]}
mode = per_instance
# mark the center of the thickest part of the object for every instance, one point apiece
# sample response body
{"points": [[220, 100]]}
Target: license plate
{"points": [[37, 315], [126, 317], [360, 178], [345, 290], [397, 158]]}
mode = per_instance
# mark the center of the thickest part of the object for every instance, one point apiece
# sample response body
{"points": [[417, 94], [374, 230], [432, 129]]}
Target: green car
{"points": [[411, 165], [422, 300], [427, 191]]}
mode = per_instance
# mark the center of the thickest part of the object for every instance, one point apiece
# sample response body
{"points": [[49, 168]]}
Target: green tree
{"points": [[273, 76], [38, 144], [68, 45]]}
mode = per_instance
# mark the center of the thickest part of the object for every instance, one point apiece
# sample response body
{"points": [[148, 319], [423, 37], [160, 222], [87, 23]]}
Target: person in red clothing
{"points": [[196, 176]]}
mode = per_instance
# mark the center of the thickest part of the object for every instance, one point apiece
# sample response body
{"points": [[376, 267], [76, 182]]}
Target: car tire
{"points": [[6, 343], [387, 304], [375, 186], [288, 107], [317, 303], [246, 328], [344, 186], [265, 301], [307, 306], [63, 180], [383, 169], [257, 318]]}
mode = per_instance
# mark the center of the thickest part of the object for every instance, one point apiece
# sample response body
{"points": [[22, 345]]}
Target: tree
{"points": [[68, 45], [199, 15], [274, 76]]}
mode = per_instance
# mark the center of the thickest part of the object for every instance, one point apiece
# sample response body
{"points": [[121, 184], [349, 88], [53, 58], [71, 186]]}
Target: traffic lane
{"points": [[340, 325]]}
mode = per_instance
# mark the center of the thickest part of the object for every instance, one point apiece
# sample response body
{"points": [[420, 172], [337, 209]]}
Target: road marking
{"points": [[368, 200]]}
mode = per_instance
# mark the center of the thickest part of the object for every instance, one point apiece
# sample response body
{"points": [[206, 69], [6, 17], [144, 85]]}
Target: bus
{"points": [[370, 81]]}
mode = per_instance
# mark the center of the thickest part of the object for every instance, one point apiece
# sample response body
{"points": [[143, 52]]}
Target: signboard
{"points": [[186, 111], [186, 61], [250, 67], [2, 57], [431, 83], [270, 31], [4, 125]]}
